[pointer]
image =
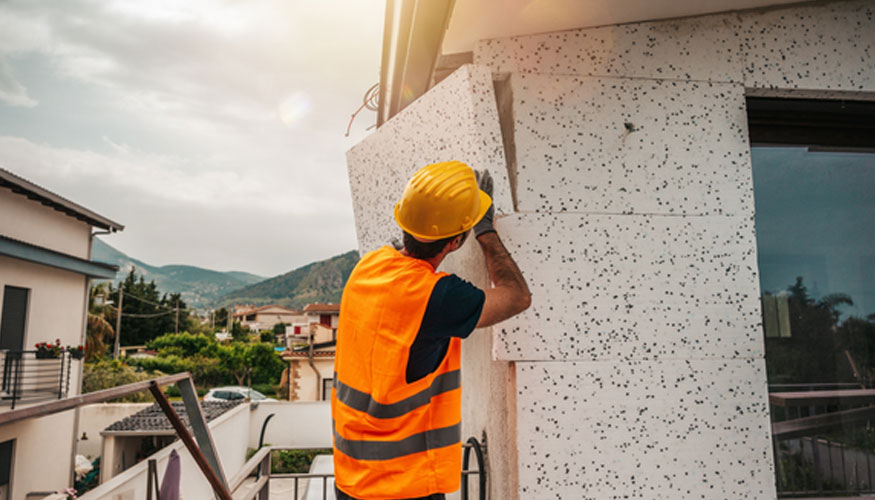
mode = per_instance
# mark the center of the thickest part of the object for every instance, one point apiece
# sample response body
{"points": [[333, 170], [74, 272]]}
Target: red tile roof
{"points": [[316, 354], [322, 308], [247, 312]]}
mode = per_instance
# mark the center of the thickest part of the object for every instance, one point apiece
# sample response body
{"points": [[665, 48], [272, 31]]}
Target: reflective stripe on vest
{"points": [[364, 403], [387, 450], [392, 439]]}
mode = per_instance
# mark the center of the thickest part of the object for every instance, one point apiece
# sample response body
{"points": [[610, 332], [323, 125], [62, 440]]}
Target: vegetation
{"points": [[212, 363], [821, 346], [106, 374], [321, 281], [291, 461]]}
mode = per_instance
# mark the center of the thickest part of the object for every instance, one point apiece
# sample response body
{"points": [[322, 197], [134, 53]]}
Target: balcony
{"points": [[31, 376]]}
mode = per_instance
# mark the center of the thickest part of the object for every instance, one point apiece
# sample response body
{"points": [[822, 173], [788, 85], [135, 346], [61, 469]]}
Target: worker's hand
{"points": [[484, 181]]}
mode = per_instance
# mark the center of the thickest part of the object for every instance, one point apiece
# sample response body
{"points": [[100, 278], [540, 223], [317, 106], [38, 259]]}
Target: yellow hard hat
{"points": [[441, 200]]}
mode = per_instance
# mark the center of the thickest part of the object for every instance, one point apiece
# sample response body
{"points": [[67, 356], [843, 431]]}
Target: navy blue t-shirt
{"points": [[453, 310]]}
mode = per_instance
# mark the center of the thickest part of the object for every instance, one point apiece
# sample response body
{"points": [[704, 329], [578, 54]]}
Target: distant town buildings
{"points": [[265, 317]]}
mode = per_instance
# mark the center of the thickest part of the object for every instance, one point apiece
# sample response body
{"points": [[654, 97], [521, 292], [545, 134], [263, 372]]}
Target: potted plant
{"points": [[77, 352], [46, 350]]}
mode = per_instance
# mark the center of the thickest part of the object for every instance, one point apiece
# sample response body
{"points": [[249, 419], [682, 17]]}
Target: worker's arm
{"points": [[509, 295]]}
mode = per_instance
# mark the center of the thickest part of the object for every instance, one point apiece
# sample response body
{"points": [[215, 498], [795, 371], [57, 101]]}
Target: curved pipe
{"points": [[478, 452], [261, 442], [264, 428]]}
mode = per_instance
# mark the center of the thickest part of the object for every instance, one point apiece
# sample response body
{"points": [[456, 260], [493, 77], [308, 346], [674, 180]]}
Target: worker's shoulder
{"points": [[454, 285]]}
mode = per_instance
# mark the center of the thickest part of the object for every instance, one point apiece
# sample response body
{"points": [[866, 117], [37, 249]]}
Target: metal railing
{"points": [[32, 376], [823, 447], [256, 475]]}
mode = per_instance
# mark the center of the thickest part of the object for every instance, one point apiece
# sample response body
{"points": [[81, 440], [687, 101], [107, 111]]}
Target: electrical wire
{"points": [[371, 101], [131, 315], [143, 300]]}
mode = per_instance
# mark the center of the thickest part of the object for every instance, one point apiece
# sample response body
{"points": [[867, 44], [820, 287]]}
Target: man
{"points": [[396, 405]]}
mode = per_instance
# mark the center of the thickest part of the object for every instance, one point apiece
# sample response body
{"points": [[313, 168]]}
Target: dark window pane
{"points": [[815, 225]]}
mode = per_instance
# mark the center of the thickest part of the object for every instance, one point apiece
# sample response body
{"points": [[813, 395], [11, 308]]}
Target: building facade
{"points": [[624, 190], [45, 273]]}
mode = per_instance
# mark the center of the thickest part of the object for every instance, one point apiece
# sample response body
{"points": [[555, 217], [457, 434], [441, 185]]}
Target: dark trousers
{"points": [[343, 496]]}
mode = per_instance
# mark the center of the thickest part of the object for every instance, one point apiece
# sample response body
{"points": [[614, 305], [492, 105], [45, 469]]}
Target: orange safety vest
{"points": [[392, 439]]}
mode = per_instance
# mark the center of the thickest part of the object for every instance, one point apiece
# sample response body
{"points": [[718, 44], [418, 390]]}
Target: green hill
{"points": [[320, 281], [199, 287]]}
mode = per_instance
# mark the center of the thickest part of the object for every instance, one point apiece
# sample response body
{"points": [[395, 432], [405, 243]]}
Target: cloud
{"points": [[199, 113], [163, 179], [13, 93]]}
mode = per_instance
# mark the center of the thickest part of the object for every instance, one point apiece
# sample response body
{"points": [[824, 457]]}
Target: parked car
{"points": [[234, 393]]}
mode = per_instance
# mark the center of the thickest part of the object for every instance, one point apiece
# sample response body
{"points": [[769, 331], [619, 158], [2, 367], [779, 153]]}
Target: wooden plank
{"points": [[818, 424], [814, 398], [60, 405]]}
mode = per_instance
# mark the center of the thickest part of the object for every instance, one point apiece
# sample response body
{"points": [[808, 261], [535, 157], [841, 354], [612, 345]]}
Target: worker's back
{"points": [[393, 439]]}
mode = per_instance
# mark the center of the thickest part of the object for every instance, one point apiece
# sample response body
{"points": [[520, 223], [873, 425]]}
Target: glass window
{"points": [[815, 226]]}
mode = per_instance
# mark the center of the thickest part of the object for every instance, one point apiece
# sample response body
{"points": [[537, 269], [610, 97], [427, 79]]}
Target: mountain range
{"points": [[321, 281], [199, 287]]}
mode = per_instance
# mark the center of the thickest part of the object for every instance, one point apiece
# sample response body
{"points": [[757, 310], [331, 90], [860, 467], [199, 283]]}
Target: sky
{"points": [[214, 131]]}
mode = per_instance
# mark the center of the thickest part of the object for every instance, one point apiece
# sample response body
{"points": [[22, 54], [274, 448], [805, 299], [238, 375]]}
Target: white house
{"points": [[45, 274], [324, 314], [629, 142], [265, 317]]}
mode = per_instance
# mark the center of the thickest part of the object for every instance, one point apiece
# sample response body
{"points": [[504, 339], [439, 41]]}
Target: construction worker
{"points": [[396, 403]]}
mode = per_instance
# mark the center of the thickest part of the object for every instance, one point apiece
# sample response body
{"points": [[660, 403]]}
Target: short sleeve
{"points": [[453, 309]]}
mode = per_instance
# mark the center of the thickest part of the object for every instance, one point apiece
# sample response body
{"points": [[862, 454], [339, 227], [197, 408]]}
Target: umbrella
{"points": [[170, 484]]}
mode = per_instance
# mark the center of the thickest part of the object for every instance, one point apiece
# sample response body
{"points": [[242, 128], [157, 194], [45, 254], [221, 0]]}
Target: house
{"points": [[325, 314], [309, 333], [45, 276], [628, 142], [265, 317], [310, 372]]}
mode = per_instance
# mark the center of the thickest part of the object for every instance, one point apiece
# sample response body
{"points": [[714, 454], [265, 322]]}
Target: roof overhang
{"points": [[426, 39], [413, 32], [41, 255], [475, 20], [32, 191]]}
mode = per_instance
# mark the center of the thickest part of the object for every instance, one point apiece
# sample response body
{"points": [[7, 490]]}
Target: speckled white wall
{"points": [[823, 46], [456, 120], [639, 368], [640, 364]]}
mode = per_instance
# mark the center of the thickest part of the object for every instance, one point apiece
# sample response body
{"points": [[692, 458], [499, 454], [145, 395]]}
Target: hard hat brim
{"points": [[485, 203]]}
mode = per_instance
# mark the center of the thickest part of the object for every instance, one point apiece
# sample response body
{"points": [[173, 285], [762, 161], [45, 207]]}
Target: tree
{"points": [[257, 359], [99, 332], [112, 373], [232, 358], [239, 332], [220, 318], [821, 348], [267, 367], [146, 313]]}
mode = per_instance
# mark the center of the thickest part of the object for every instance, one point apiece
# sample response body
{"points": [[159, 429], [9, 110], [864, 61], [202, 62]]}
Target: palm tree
{"points": [[99, 330]]}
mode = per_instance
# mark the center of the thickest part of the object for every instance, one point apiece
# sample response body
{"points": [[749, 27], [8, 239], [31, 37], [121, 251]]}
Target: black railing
{"points": [[255, 476], [31, 376]]}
